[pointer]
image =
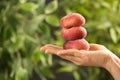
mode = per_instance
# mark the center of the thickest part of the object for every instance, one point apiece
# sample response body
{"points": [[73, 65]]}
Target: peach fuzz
{"points": [[73, 33], [80, 44], [72, 20]]}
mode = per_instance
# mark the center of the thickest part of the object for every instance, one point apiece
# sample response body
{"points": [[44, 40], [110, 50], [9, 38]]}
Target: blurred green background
{"points": [[25, 25]]}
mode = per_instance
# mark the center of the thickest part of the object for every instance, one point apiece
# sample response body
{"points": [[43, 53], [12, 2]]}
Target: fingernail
{"points": [[41, 48]]}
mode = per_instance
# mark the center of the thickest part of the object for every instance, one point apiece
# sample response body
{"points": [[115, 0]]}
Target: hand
{"points": [[51, 49], [98, 55]]}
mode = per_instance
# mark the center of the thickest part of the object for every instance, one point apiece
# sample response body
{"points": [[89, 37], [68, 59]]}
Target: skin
{"points": [[97, 55]]}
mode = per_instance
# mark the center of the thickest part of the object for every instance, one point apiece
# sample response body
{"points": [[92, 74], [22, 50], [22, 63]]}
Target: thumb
{"points": [[97, 47]]}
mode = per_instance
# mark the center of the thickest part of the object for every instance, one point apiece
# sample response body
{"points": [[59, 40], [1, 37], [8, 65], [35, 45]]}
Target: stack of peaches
{"points": [[73, 32]]}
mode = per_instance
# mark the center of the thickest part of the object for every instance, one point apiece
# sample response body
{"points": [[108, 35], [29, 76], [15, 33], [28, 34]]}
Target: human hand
{"points": [[97, 55]]}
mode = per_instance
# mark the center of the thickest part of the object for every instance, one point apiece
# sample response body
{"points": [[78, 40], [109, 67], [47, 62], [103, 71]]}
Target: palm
{"points": [[96, 56]]}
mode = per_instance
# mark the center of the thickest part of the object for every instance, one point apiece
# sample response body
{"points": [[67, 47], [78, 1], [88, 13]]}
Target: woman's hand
{"points": [[98, 55], [51, 49]]}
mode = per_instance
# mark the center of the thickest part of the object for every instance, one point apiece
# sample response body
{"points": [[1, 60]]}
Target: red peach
{"points": [[73, 33], [80, 44], [72, 20]]}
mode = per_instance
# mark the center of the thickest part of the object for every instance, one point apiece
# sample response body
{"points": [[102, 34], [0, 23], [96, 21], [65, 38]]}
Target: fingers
{"points": [[73, 59], [49, 45], [51, 49], [75, 56], [78, 57], [97, 47], [74, 52], [81, 57]]}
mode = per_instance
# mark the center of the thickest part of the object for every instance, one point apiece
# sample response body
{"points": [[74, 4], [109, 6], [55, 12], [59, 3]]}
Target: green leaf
{"points": [[27, 65], [29, 6], [104, 25], [33, 24], [53, 20], [118, 30], [46, 34], [41, 3], [51, 7], [43, 59], [30, 38], [84, 11], [22, 1], [67, 68], [113, 35], [21, 74], [68, 10], [15, 65], [38, 71], [76, 75], [18, 42], [50, 62], [36, 55], [41, 6], [106, 4], [47, 72]]}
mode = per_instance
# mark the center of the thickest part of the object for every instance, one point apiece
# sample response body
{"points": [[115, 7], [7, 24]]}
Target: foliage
{"points": [[25, 25]]}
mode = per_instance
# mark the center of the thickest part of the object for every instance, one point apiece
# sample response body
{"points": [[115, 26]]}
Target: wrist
{"points": [[113, 66], [113, 61]]}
